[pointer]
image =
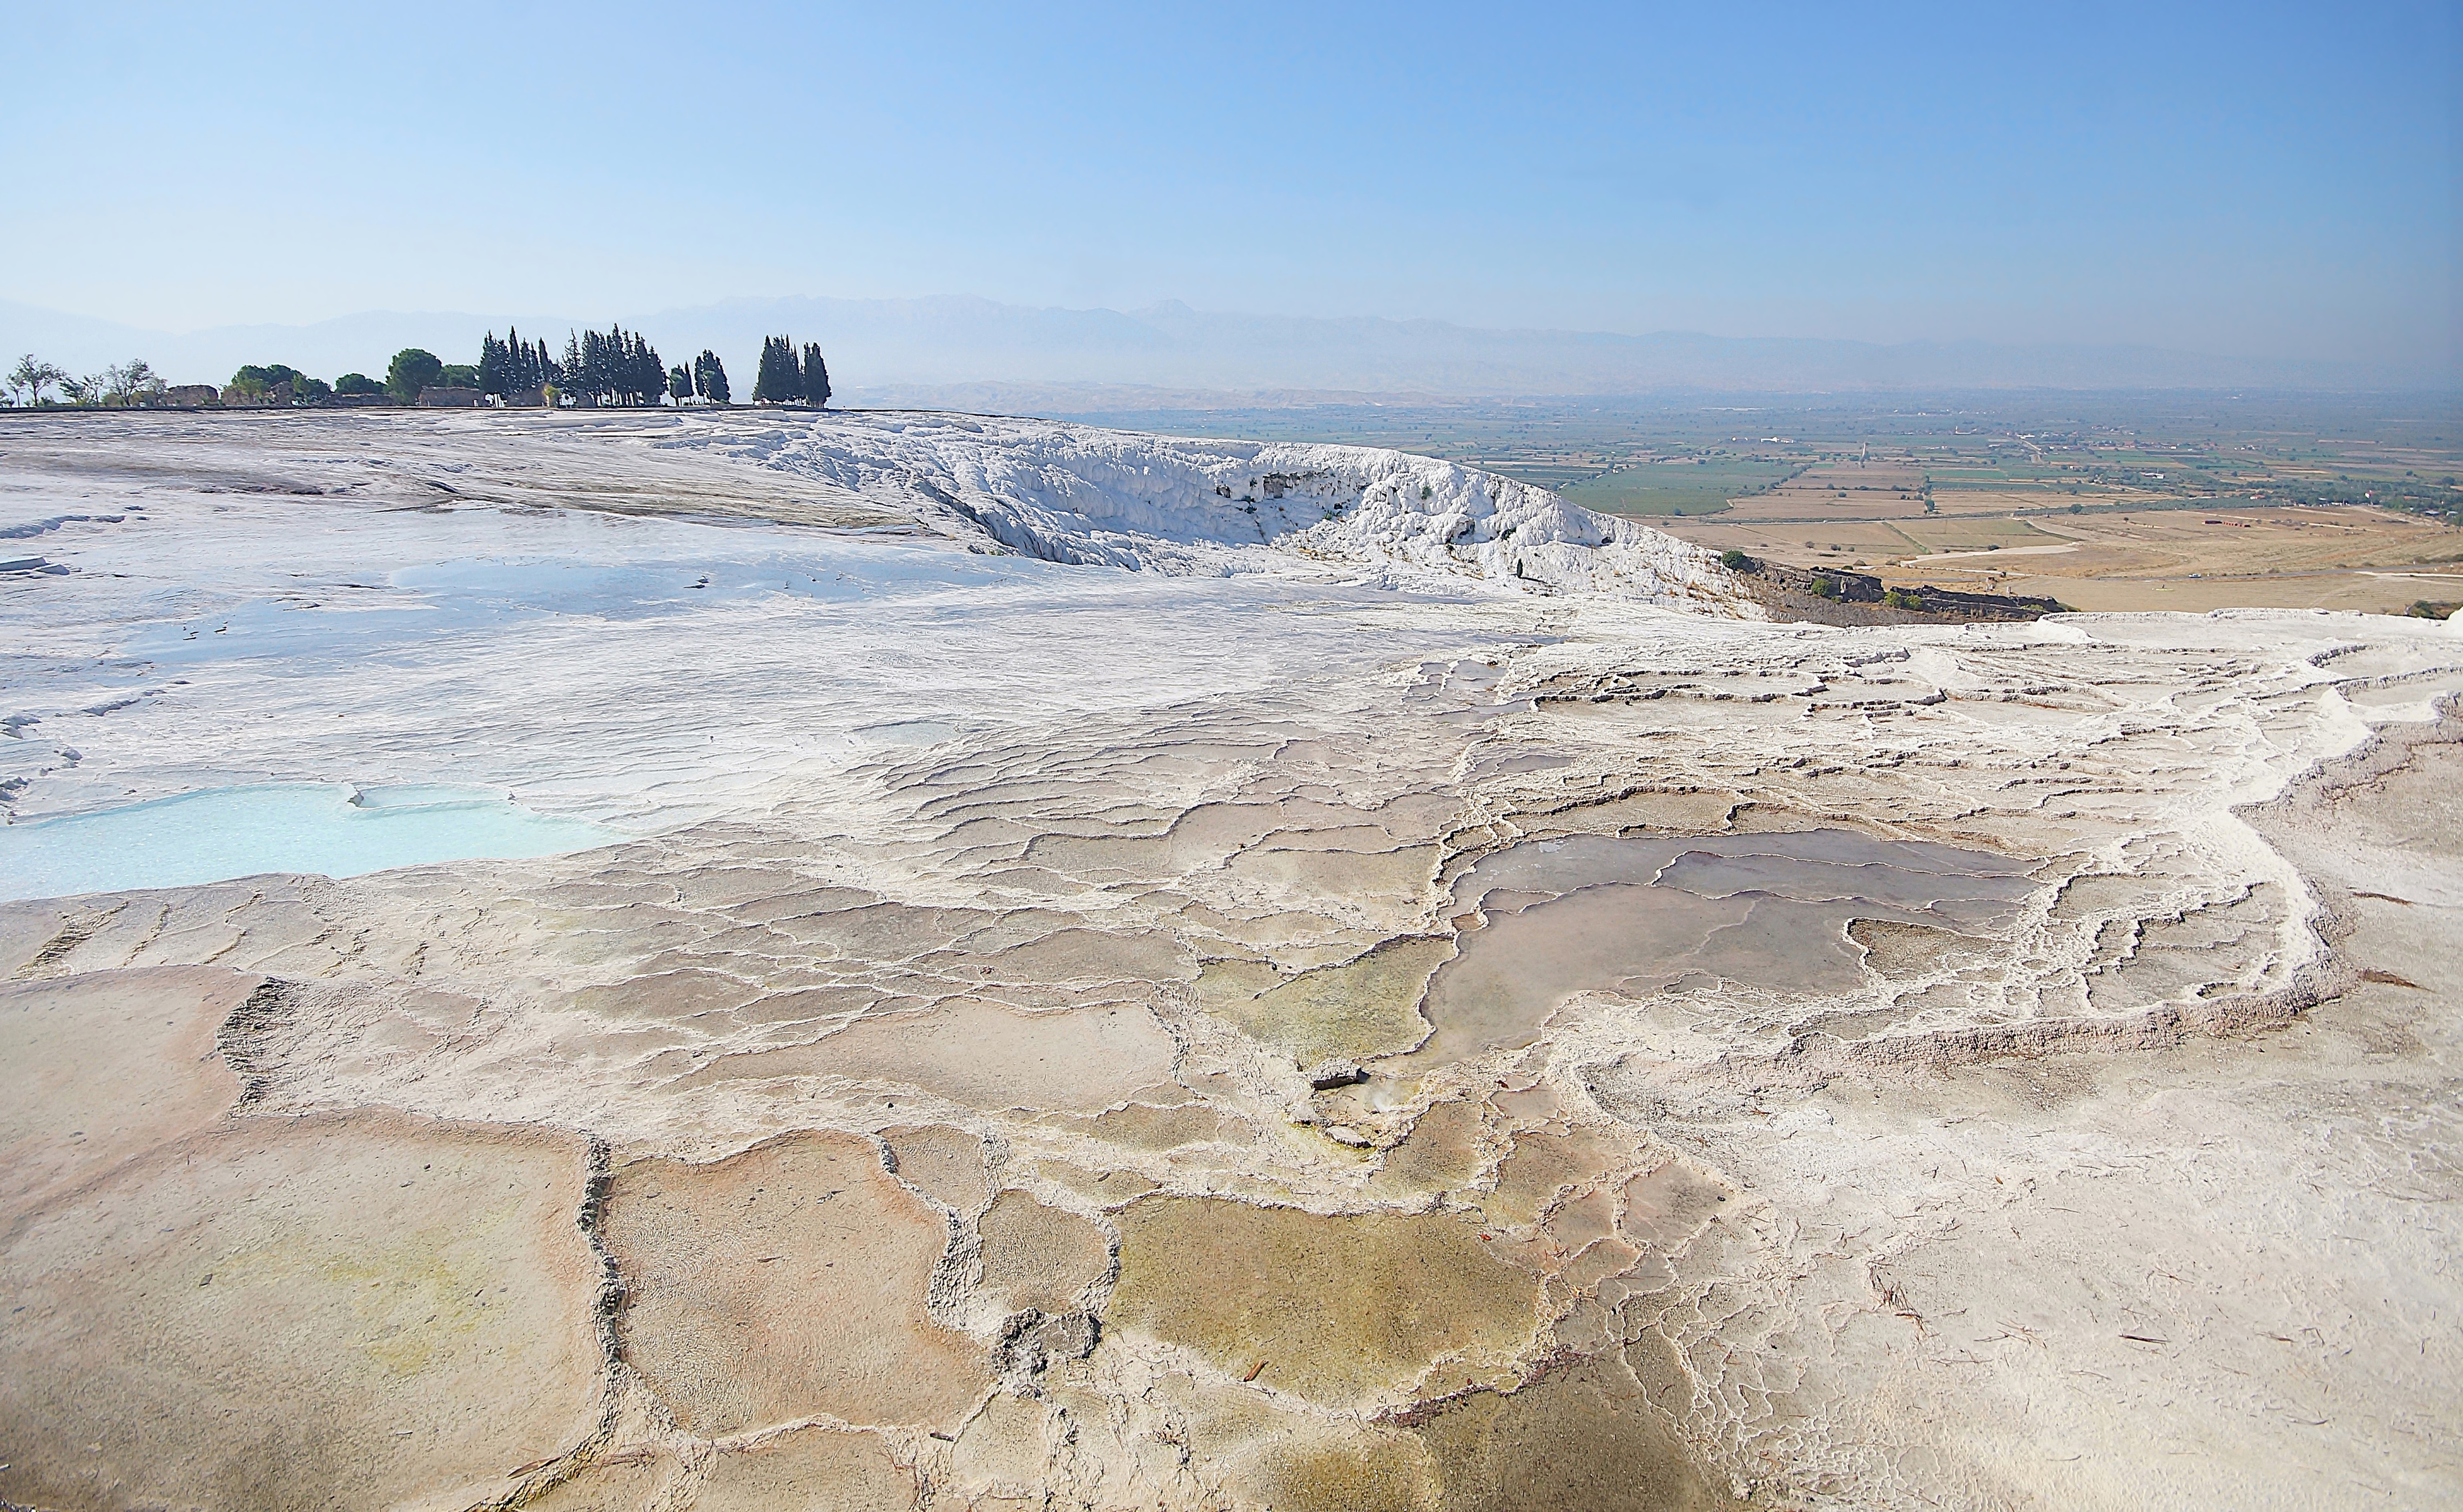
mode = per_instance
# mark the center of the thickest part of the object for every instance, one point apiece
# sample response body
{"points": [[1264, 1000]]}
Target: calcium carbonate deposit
{"points": [[949, 963]]}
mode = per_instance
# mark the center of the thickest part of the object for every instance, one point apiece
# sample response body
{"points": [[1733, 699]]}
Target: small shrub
{"points": [[1902, 598], [1736, 561], [1825, 587]]}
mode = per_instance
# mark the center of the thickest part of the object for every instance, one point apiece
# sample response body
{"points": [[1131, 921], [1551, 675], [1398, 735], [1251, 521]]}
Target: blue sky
{"points": [[2250, 180]]}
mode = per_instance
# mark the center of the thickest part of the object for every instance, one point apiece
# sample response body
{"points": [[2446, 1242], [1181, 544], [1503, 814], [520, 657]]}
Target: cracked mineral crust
{"points": [[1107, 972]]}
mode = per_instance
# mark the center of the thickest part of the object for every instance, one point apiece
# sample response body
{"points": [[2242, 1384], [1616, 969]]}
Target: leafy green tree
{"points": [[30, 378], [114, 386], [817, 375], [680, 385], [135, 383], [410, 371], [279, 383], [357, 384], [257, 379], [458, 374]]}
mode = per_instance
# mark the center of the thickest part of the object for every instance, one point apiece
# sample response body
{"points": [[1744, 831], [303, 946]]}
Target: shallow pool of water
{"points": [[330, 829], [1637, 914]]}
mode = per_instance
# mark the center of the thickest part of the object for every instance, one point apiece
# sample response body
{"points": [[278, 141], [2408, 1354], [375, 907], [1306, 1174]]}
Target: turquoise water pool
{"points": [[330, 829]]}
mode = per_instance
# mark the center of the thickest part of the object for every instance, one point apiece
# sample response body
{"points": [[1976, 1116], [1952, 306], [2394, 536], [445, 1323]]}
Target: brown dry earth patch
{"points": [[347, 1308]]}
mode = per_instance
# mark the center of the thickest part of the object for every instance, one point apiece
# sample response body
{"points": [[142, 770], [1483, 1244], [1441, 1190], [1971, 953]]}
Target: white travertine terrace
{"points": [[1386, 1010]]}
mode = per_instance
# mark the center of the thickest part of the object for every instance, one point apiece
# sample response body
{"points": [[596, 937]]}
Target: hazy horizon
{"points": [[933, 349]]}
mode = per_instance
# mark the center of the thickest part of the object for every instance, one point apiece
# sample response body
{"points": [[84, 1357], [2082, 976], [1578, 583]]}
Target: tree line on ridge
{"points": [[614, 368]]}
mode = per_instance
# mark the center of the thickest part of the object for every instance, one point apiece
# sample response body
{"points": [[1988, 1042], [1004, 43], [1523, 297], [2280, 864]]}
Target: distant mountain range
{"points": [[916, 347]]}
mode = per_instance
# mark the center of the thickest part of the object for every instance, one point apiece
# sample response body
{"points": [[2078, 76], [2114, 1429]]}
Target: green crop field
{"points": [[1608, 454], [1677, 487]]}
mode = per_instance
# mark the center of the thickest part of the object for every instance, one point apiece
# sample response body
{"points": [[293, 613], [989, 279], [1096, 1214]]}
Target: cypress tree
{"points": [[649, 373], [779, 381], [492, 364], [594, 368], [632, 381], [710, 375], [817, 377], [680, 384]]}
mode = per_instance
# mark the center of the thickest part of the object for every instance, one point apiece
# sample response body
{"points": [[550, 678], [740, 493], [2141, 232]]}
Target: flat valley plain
{"points": [[2185, 501]]}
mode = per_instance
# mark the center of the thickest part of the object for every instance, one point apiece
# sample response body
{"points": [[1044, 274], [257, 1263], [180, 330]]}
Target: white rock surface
{"points": [[2113, 1168], [1077, 493]]}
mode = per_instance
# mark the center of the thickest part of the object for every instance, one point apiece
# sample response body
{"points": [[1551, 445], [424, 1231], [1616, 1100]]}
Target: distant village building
{"points": [[528, 399], [433, 397], [192, 395]]}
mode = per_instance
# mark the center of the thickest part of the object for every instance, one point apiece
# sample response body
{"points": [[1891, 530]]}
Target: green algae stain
{"points": [[1586, 1439], [1386, 1473], [1353, 1010], [1441, 1153], [425, 1295], [1333, 1309]]}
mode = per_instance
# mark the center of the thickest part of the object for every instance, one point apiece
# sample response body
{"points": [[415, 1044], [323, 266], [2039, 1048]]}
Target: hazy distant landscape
{"points": [[931, 352]]}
